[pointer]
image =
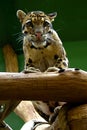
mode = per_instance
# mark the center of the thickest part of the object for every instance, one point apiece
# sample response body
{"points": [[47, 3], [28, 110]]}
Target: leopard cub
{"points": [[43, 50]]}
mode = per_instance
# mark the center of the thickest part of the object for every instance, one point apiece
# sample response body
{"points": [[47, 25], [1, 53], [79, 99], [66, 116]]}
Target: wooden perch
{"points": [[70, 86]]}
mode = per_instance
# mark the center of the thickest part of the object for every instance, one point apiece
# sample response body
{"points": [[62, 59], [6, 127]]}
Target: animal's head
{"points": [[36, 24]]}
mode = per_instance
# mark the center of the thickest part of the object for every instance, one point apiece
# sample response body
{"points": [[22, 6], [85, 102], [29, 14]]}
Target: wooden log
{"points": [[70, 86], [71, 117], [77, 118]]}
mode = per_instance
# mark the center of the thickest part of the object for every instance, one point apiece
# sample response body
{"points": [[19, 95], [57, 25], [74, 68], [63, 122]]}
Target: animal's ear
{"points": [[21, 15], [52, 16]]}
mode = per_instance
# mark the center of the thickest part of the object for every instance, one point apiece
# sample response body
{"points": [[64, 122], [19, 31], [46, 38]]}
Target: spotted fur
{"points": [[43, 50]]}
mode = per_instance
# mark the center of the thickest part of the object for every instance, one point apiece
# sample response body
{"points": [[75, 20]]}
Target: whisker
{"points": [[17, 34], [19, 37]]}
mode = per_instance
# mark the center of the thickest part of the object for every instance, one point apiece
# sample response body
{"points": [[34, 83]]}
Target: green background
{"points": [[71, 25]]}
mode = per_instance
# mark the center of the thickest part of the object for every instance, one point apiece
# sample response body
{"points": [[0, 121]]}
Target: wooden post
{"points": [[10, 57]]}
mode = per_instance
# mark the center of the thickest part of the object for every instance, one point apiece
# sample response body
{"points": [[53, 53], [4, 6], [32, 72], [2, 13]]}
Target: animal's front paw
{"points": [[31, 70], [52, 69]]}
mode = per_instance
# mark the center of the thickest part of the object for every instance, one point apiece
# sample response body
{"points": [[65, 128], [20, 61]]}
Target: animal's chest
{"points": [[43, 58]]}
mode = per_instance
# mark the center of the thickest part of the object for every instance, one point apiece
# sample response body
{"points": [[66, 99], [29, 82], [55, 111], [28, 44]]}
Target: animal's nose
{"points": [[38, 35]]}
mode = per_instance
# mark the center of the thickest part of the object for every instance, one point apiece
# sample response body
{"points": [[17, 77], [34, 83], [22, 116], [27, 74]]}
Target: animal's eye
{"points": [[29, 23], [47, 24]]}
